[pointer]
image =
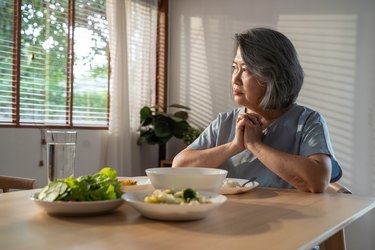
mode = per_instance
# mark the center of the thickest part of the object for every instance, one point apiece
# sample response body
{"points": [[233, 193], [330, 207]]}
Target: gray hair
{"points": [[272, 59]]}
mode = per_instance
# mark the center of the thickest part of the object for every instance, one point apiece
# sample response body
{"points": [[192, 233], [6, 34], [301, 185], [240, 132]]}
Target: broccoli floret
{"points": [[189, 194]]}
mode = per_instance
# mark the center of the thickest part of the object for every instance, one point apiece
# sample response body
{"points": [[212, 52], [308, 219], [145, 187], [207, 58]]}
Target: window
{"points": [[54, 63]]}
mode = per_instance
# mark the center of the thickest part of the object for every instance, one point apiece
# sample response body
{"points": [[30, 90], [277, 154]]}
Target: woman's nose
{"points": [[236, 78]]}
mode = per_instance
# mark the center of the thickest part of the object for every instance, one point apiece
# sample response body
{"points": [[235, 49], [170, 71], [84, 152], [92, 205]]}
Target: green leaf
{"points": [[180, 129], [179, 106], [163, 140], [147, 121], [146, 116], [158, 127], [153, 139], [53, 191], [101, 186], [108, 172], [163, 126], [141, 140], [191, 135], [182, 114]]}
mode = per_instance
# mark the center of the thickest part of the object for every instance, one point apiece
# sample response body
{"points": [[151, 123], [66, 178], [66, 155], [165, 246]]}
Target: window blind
{"points": [[7, 45], [54, 63], [90, 88]]}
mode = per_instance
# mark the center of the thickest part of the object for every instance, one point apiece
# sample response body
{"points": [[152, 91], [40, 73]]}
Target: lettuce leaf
{"points": [[100, 186]]}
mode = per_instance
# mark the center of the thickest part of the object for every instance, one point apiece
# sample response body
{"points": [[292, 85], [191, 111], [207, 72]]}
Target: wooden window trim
{"points": [[16, 78], [16, 59], [161, 92]]}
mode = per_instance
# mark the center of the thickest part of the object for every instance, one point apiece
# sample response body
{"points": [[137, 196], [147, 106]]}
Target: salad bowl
{"points": [[77, 208]]}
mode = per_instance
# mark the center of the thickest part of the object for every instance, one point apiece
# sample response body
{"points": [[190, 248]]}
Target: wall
{"points": [[21, 151], [335, 40]]}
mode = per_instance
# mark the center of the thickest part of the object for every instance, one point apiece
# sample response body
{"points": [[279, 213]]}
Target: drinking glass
{"points": [[61, 151]]}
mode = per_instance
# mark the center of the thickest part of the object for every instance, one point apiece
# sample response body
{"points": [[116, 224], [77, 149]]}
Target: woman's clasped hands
{"points": [[249, 129]]}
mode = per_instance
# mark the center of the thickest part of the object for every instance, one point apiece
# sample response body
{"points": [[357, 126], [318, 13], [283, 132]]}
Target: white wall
{"points": [[21, 151], [335, 40]]}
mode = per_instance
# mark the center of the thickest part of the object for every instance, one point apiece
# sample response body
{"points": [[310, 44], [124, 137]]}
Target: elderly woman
{"points": [[271, 137]]}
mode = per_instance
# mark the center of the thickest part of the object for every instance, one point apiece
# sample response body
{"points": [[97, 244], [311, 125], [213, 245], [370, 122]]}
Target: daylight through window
{"points": [[54, 67]]}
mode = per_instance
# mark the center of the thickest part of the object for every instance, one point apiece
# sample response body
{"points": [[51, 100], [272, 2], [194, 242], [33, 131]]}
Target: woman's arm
{"points": [[212, 157], [310, 174]]}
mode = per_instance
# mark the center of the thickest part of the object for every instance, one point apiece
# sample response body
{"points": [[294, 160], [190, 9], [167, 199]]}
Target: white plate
{"points": [[238, 190], [143, 183], [173, 212], [74, 208]]}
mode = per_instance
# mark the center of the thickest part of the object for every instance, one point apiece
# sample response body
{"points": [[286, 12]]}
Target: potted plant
{"points": [[157, 127]]}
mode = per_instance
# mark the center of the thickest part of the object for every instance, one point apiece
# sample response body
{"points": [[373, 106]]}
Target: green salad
{"points": [[100, 186]]}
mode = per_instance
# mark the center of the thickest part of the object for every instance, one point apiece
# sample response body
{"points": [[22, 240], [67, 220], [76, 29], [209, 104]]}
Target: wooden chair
{"points": [[13, 182], [338, 188], [336, 241], [165, 163]]}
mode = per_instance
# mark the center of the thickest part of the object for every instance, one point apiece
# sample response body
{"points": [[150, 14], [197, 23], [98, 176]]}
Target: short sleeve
{"points": [[207, 139], [219, 131], [315, 140]]}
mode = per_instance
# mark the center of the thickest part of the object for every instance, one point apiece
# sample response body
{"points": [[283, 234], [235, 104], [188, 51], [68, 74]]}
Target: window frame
{"points": [[161, 70], [162, 37], [16, 77]]}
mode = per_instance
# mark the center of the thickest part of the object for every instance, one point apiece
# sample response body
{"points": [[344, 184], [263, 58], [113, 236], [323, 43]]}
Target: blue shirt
{"points": [[299, 131]]}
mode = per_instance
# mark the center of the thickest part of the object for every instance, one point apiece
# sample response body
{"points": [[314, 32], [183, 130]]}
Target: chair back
{"points": [[338, 188], [12, 182]]}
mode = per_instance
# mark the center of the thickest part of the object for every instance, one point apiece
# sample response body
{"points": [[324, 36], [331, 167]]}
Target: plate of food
{"points": [[234, 186], [77, 208], [174, 205], [86, 195], [129, 184]]}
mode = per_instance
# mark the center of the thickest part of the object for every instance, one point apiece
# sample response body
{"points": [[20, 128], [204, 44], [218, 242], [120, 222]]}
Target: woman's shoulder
{"points": [[232, 114], [305, 117], [305, 113]]}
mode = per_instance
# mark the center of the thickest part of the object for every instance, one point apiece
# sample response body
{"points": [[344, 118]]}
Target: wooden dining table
{"points": [[263, 218]]}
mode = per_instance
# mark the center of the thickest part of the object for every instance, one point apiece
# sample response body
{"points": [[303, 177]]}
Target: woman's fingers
{"points": [[253, 128], [253, 119], [250, 119]]}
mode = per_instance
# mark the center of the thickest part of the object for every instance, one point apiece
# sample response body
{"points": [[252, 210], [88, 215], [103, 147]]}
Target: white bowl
{"points": [[205, 179], [173, 212]]}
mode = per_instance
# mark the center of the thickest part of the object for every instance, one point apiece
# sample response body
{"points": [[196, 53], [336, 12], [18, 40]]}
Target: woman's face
{"points": [[247, 90]]}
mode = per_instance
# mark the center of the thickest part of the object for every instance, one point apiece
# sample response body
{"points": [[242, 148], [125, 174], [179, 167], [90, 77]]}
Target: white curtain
{"points": [[132, 39]]}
